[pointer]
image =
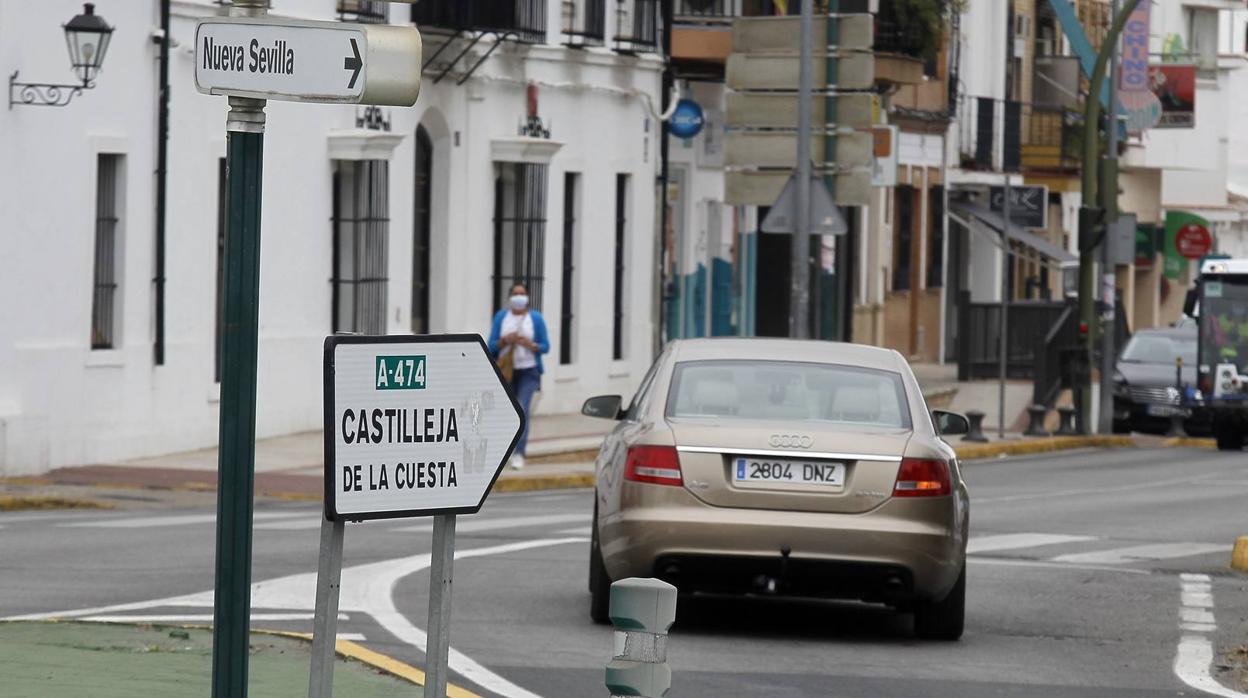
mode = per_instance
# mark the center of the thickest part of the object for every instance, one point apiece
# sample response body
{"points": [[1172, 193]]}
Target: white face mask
{"points": [[519, 302]]}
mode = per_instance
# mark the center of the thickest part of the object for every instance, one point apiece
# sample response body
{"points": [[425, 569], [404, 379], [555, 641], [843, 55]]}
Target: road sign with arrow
{"points": [[297, 61]]}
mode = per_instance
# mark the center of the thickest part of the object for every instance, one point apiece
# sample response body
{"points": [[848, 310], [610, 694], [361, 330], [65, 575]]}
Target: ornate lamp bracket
{"points": [[37, 94]]}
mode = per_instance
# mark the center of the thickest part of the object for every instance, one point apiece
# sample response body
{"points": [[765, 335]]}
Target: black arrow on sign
{"points": [[353, 63]]}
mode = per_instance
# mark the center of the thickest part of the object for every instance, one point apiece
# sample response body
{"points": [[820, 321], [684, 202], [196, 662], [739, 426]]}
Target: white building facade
{"points": [[380, 221]]}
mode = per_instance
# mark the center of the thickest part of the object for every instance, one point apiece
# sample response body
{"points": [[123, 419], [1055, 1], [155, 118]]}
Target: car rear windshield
{"points": [[1160, 349], [784, 390]]}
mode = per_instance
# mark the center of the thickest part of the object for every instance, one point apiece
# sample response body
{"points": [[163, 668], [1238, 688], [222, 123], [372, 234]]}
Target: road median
{"points": [[1052, 444]]}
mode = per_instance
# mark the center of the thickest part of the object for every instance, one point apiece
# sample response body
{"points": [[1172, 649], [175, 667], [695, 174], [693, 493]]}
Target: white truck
{"points": [[1220, 305]]}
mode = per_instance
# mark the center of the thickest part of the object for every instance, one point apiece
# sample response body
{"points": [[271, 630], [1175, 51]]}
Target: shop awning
{"points": [[995, 221]]}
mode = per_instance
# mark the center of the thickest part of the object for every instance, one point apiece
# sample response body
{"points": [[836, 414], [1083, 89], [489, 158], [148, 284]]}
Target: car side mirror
{"points": [[1189, 302], [950, 423], [603, 407]]}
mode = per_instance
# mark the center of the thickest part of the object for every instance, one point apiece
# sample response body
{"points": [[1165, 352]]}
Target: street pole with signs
{"points": [[799, 320], [251, 59], [1109, 202]]}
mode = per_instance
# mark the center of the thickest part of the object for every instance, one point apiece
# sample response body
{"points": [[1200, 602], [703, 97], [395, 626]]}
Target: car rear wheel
{"points": [[943, 620], [599, 581]]}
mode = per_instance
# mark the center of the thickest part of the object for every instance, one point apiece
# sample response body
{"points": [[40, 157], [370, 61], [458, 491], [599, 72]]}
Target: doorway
{"points": [[773, 274]]}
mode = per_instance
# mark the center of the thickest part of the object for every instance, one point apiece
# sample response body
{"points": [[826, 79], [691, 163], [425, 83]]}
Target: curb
{"points": [[39, 502], [350, 650], [1044, 445], [1239, 558], [1189, 442], [544, 482]]}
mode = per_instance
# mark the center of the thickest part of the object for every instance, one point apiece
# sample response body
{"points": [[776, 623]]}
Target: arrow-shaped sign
{"points": [[353, 63]]}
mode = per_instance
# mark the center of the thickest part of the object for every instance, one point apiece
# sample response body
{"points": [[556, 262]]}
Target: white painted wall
{"points": [[61, 403]]}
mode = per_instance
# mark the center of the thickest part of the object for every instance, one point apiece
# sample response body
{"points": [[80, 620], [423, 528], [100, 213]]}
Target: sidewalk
{"points": [[69, 660]]}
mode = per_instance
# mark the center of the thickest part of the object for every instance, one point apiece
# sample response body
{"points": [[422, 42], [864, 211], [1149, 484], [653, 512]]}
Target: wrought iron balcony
{"points": [[364, 11], [523, 20], [709, 11], [584, 22], [637, 26]]}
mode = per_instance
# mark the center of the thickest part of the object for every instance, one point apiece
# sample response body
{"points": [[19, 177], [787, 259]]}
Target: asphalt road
{"points": [[1100, 573]]}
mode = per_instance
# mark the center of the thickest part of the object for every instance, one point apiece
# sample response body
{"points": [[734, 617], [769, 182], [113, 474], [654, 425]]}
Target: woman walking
{"points": [[518, 336]]}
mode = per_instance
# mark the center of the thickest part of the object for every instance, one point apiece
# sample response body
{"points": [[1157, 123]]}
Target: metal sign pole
{"points": [[437, 650], [1005, 307], [800, 312], [237, 453], [325, 625]]}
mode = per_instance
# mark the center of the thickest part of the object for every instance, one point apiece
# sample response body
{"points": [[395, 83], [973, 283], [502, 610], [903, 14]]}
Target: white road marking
{"points": [[1014, 541], [1191, 665], [470, 525], [201, 618], [365, 588], [1195, 653], [1094, 491], [1140, 553], [353, 637], [290, 525], [1010, 562], [163, 521], [579, 531]]}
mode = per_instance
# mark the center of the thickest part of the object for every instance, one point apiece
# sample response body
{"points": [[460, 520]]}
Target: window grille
{"points": [[584, 22], [361, 246], [519, 230], [637, 26], [103, 311], [567, 319], [621, 226]]}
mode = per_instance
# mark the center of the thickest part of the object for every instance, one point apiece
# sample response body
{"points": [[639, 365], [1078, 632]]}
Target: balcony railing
{"points": [[525, 20], [584, 22], [637, 26], [709, 11], [1051, 137], [364, 11]]}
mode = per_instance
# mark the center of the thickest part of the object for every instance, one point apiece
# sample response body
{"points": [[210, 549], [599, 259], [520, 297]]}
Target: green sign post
{"points": [[322, 62]]}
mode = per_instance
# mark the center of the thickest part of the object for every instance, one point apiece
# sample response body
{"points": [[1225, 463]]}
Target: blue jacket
{"points": [[540, 338]]}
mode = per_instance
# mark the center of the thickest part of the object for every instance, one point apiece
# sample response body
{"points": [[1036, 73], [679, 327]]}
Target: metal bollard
{"points": [[1036, 414], [1066, 425], [1176, 426], [642, 610], [976, 431]]}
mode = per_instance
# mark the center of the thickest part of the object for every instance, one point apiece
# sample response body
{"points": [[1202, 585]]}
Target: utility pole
{"points": [[1090, 216], [799, 316], [1109, 202]]}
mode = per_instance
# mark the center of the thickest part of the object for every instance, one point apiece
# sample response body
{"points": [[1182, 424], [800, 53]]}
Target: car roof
{"points": [[769, 349]]}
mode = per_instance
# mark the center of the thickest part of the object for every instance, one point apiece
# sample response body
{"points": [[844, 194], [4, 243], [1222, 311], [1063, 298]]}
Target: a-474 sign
{"points": [[413, 425], [297, 61]]}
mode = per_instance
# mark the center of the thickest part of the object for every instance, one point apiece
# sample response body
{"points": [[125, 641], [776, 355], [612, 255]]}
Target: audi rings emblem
{"points": [[791, 441]]}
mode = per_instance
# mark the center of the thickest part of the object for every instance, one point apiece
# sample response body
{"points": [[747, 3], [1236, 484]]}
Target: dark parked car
{"points": [[1145, 392]]}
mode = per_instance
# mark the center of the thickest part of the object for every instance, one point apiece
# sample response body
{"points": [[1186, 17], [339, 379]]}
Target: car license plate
{"points": [[790, 472], [1165, 410]]}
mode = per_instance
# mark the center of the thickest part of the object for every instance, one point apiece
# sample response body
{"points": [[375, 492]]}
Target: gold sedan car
{"points": [[783, 467]]}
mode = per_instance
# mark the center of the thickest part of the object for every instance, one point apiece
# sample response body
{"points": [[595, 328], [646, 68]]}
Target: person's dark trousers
{"points": [[525, 382]]}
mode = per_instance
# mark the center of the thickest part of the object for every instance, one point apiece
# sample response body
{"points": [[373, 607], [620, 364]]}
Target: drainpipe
{"points": [[667, 19], [162, 159]]}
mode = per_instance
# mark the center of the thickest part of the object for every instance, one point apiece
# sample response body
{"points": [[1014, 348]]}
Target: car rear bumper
{"points": [[902, 550]]}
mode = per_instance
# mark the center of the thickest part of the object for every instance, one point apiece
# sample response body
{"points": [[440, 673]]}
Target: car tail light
{"points": [[657, 465], [920, 477]]}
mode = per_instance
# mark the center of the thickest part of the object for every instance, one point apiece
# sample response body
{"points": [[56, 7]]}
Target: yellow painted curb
{"points": [[29, 502], [1189, 442], [1239, 558], [1042, 445], [377, 660], [544, 482]]}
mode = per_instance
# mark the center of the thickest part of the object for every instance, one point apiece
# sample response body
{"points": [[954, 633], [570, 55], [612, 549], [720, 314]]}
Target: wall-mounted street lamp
{"points": [[86, 37]]}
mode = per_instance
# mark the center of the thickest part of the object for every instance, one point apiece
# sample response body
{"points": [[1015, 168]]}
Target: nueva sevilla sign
{"points": [[296, 61], [413, 426]]}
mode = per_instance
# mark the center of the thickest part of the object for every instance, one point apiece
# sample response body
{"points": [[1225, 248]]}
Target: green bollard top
{"points": [[647, 605]]}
